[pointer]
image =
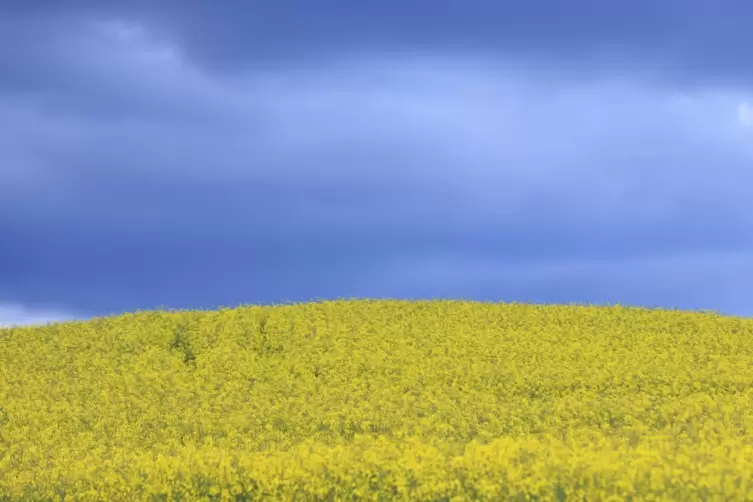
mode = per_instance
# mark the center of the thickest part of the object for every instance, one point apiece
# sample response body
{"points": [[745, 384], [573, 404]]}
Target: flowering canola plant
{"points": [[380, 400]]}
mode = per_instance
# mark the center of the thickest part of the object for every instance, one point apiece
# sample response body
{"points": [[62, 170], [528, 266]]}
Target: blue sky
{"points": [[200, 154]]}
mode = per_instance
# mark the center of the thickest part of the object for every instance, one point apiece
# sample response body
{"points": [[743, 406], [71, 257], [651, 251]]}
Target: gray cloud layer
{"points": [[133, 176], [696, 41]]}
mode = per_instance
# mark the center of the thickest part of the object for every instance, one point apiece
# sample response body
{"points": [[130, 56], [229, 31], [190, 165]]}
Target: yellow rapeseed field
{"points": [[380, 400]]}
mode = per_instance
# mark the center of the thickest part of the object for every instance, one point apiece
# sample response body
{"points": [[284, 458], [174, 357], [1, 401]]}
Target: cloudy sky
{"points": [[190, 155]]}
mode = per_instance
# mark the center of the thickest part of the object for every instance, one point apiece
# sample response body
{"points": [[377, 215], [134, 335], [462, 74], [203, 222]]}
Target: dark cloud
{"points": [[690, 41], [379, 151]]}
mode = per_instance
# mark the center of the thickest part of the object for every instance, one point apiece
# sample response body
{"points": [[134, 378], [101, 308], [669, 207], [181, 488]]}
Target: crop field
{"points": [[380, 400]]}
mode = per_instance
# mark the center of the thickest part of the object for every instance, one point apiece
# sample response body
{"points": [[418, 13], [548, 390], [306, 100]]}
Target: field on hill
{"points": [[380, 400]]}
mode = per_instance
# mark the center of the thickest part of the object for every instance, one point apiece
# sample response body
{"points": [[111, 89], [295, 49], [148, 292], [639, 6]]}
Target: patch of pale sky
{"points": [[745, 113], [12, 314]]}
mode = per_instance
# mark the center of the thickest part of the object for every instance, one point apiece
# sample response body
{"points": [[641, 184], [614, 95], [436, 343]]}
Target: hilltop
{"points": [[418, 399]]}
